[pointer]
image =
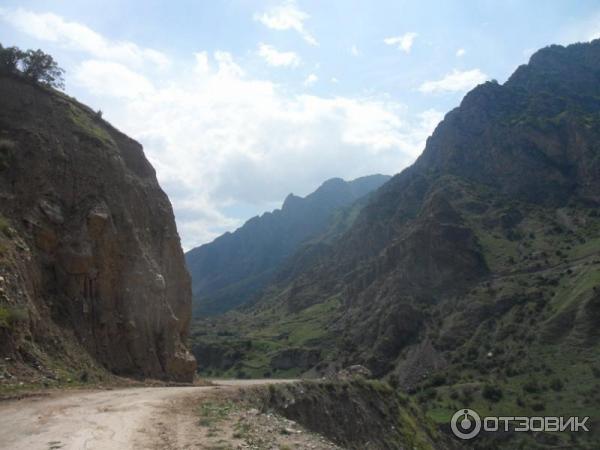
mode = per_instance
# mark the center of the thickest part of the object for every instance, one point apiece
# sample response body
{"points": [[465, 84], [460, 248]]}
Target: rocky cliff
{"points": [[89, 254]]}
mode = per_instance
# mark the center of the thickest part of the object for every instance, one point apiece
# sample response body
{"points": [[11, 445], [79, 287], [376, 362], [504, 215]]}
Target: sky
{"points": [[239, 103]]}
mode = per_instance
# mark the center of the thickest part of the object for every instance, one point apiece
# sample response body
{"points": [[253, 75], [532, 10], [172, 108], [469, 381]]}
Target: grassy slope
{"points": [[535, 351]]}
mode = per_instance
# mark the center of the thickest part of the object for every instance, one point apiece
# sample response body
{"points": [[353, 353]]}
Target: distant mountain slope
{"points": [[230, 270], [472, 278]]}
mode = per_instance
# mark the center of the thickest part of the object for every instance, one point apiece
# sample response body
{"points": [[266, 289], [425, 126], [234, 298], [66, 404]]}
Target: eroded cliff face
{"points": [[90, 251]]}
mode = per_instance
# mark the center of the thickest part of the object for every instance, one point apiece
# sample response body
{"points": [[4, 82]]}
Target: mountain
{"points": [[229, 271], [92, 274], [472, 278]]}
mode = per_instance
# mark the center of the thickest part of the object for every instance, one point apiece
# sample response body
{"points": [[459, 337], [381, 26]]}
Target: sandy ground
{"points": [[140, 418]]}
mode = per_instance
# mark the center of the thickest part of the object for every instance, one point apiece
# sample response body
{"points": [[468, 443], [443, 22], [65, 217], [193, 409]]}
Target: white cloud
{"points": [[273, 57], [74, 36], [287, 16], [111, 78], [460, 52], [455, 81], [403, 42], [219, 139], [225, 143], [311, 79], [334, 80], [354, 50]]}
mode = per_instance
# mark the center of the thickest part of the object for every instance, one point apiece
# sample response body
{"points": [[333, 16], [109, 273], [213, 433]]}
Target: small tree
{"points": [[42, 68], [9, 59]]}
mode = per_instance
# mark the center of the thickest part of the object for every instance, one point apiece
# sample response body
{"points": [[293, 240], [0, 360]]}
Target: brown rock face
{"points": [[100, 255]]}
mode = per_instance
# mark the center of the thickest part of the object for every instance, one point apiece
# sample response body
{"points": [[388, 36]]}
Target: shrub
{"points": [[9, 59], [5, 227], [538, 406], [557, 384], [532, 387], [33, 64], [492, 393], [42, 68], [439, 379], [11, 317]]}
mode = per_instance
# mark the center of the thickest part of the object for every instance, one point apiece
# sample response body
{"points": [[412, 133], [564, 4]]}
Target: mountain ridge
{"points": [[463, 275], [230, 270]]}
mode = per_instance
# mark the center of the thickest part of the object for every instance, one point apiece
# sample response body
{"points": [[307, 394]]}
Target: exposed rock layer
{"points": [[100, 254]]}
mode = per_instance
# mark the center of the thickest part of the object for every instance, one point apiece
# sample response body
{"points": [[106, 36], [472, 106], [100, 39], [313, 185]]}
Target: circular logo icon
{"points": [[465, 424]]}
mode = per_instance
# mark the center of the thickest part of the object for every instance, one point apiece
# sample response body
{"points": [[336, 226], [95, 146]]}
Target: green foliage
{"points": [[9, 60], [33, 64], [212, 412], [42, 68], [11, 317], [557, 384], [492, 393], [88, 126], [5, 227]]}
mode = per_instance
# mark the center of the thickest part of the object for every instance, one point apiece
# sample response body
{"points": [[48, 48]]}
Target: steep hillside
{"points": [[91, 269], [229, 271], [472, 278], [356, 414]]}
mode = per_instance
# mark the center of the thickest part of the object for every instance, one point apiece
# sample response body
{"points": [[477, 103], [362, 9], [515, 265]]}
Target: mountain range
{"points": [[472, 278], [232, 269]]}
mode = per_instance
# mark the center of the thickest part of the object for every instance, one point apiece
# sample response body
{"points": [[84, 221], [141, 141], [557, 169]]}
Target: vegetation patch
{"points": [[11, 317], [88, 126]]}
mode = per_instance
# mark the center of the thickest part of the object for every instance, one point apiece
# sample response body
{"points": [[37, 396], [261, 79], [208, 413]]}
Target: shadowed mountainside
{"points": [[232, 269]]}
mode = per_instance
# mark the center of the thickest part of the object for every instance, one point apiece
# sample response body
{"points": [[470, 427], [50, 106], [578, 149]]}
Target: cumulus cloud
{"points": [[403, 42], [311, 79], [455, 81], [226, 144], [75, 36], [287, 16], [460, 52], [273, 57], [112, 78], [220, 139], [354, 50]]}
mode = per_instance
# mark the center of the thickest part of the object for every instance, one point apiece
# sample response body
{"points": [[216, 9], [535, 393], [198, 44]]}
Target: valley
{"points": [[373, 312], [470, 279]]}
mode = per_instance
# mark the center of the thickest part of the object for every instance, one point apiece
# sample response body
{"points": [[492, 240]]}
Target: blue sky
{"points": [[239, 102]]}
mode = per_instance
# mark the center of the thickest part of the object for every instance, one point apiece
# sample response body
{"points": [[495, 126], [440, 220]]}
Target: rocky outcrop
{"points": [[355, 413], [98, 255]]}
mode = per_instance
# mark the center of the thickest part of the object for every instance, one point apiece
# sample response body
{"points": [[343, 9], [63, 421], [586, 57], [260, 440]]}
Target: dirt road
{"points": [[134, 418]]}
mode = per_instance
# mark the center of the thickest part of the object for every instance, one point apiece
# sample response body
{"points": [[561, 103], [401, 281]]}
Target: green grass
{"points": [[11, 317], [270, 331], [5, 227], [213, 412], [87, 125]]}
